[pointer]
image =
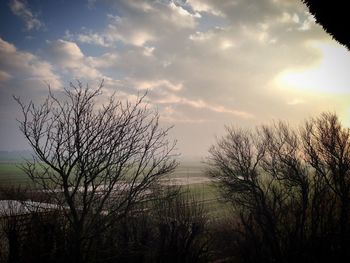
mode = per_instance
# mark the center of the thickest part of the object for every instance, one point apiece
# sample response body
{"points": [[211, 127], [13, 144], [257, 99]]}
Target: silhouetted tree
{"points": [[171, 228], [327, 151], [333, 16], [290, 189], [95, 161], [30, 231], [181, 227]]}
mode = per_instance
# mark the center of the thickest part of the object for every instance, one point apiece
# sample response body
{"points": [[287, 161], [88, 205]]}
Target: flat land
{"points": [[190, 176], [186, 174], [12, 175]]}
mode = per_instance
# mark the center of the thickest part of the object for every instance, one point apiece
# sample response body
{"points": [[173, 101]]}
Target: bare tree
{"points": [[327, 149], [96, 162], [291, 188]]}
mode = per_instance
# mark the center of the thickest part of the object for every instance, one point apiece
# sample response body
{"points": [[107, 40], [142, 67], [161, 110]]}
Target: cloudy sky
{"points": [[205, 63]]}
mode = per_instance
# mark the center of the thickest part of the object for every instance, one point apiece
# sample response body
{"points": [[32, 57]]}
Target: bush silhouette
{"points": [[290, 189]]}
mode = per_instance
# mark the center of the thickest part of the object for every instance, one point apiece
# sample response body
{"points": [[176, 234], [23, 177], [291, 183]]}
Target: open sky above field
{"points": [[205, 63]]}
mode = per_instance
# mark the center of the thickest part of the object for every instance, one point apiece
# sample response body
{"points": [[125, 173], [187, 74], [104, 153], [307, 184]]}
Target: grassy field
{"points": [[208, 195], [191, 176], [12, 175]]}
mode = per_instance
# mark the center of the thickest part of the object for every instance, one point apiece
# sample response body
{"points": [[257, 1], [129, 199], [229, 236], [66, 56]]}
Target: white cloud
{"points": [[71, 60], [7, 47], [141, 5], [4, 76], [171, 115], [148, 51], [180, 16], [88, 37], [104, 61], [158, 84], [142, 24], [286, 17], [200, 104], [118, 29], [295, 102], [204, 6], [121, 29], [20, 9], [24, 65], [66, 53], [201, 36], [226, 44], [308, 22], [92, 38]]}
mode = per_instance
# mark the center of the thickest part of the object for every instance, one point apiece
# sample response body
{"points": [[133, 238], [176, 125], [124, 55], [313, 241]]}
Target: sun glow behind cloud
{"points": [[329, 75]]}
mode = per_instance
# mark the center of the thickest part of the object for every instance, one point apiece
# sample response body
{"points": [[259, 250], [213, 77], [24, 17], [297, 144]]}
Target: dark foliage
{"points": [[290, 189], [94, 161], [333, 16], [171, 228]]}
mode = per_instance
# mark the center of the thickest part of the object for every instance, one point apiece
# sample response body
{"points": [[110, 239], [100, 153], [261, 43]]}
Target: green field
{"points": [[209, 196], [187, 173], [12, 175]]}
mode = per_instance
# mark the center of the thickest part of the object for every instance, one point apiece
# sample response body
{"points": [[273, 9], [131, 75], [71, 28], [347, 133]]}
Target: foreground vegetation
{"points": [[171, 228], [290, 189]]}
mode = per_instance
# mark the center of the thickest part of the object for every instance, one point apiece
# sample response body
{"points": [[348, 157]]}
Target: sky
{"points": [[204, 63]]}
